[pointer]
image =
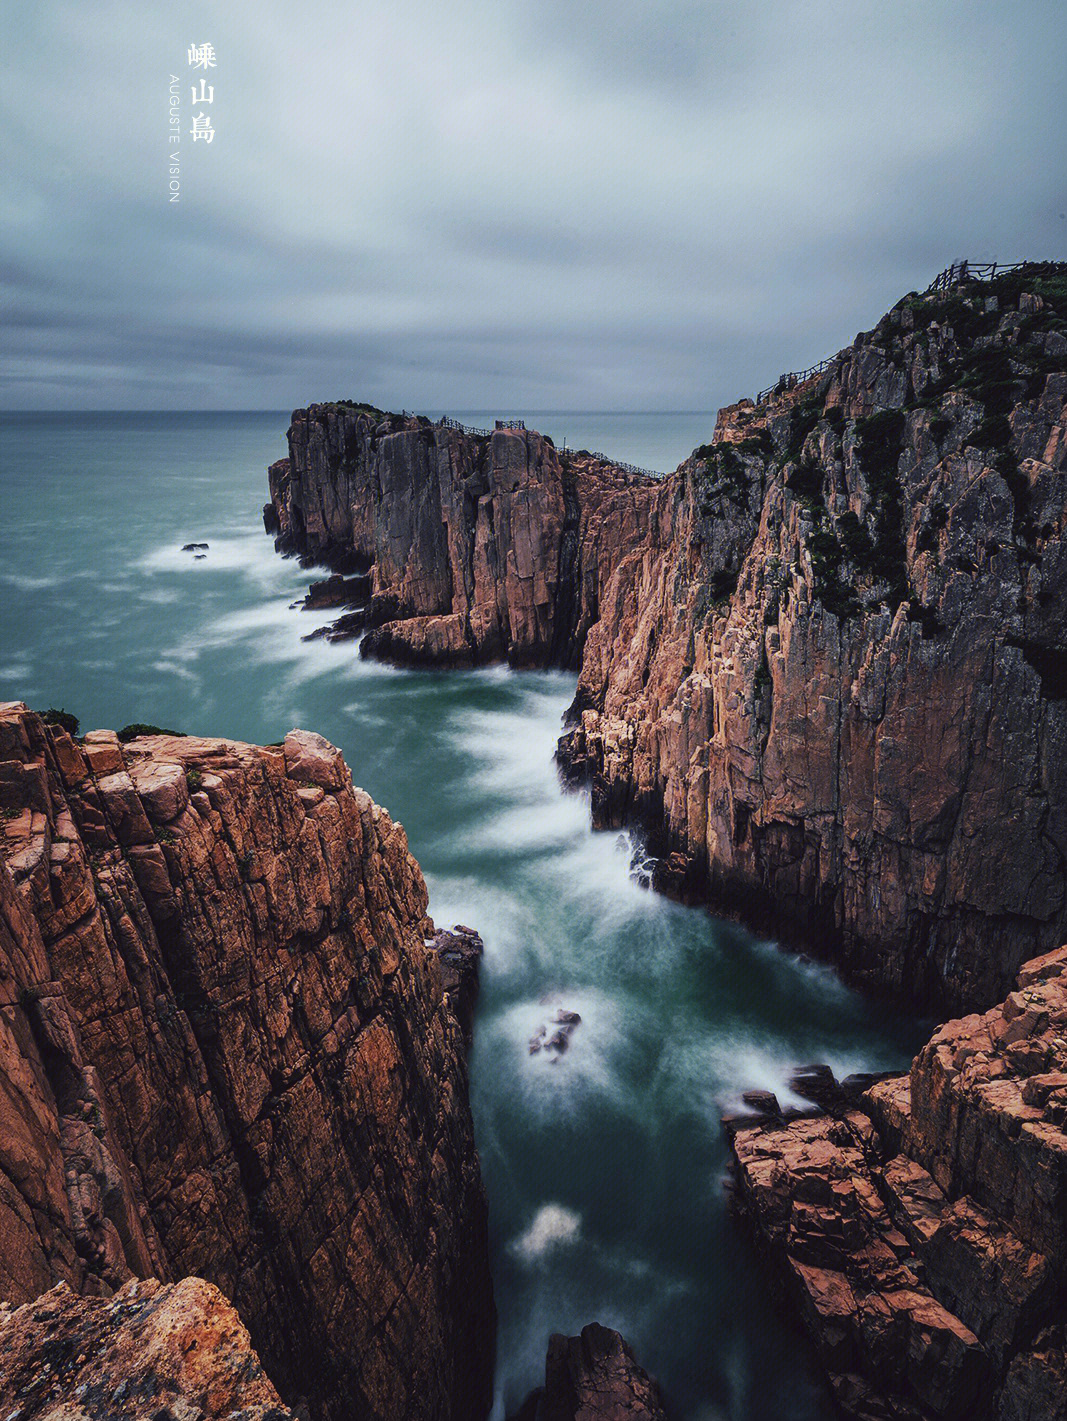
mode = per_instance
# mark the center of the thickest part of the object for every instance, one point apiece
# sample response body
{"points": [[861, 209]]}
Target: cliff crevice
{"points": [[228, 1054]]}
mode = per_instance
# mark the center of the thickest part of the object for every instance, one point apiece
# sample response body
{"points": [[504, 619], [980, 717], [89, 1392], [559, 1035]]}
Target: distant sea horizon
{"points": [[658, 440]]}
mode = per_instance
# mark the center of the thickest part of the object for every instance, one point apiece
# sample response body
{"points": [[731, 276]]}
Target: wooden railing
{"points": [[447, 422], [795, 378], [954, 275], [960, 272]]}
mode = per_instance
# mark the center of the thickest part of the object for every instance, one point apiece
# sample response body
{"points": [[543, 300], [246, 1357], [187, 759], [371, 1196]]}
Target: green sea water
{"points": [[604, 1169]]}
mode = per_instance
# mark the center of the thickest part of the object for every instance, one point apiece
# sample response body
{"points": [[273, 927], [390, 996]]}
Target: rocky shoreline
{"points": [[920, 1228]]}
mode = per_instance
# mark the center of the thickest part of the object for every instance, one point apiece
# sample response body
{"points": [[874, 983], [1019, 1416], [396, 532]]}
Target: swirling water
{"points": [[605, 1168]]}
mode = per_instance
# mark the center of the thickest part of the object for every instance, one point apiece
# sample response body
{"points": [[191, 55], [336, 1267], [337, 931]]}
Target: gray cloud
{"points": [[628, 205]]}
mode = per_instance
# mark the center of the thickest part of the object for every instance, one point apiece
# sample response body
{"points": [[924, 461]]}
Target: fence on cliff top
{"points": [[447, 422], [954, 275], [960, 272]]}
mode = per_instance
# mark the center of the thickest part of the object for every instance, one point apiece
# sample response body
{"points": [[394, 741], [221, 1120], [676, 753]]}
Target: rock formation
{"points": [[173, 1352], [923, 1231], [593, 1377], [480, 547], [226, 1053], [824, 664]]}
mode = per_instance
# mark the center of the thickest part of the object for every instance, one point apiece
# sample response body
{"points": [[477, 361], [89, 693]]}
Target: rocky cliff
{"points": [[593, 1377], [824, 664], [922, 1231], [832, 681], [226, 1053], [480, 547], [172, 1352]]}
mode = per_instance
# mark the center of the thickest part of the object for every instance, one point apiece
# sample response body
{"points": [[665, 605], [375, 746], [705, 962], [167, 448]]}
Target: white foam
{"points": [[552, 1227]]}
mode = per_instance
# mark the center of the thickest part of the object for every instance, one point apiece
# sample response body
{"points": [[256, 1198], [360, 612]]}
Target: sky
{"points": [[454, 204]]}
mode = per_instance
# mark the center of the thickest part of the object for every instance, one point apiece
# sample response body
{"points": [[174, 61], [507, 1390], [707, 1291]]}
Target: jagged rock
{"points": [[460, 953], [226, 1053], [593, 1377], [195, 547], [824, 663], [337, 591], [171, 1352], [923, 1236], [482, 549]]}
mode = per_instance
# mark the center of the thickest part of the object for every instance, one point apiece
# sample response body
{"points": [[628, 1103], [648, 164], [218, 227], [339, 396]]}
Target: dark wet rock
{"points": [[763, 1102], [345, 628], [568, 1018], [195, 547], [595, 1377], [337, 591], [459, 953]]}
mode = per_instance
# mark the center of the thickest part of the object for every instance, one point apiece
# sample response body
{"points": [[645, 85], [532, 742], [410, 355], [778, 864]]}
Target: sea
{"points": [[606, 1170]]}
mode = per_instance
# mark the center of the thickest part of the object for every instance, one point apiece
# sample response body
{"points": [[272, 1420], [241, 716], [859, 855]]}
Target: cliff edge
{"points": [[823, 665], [226, 1053], [922, 1231]]}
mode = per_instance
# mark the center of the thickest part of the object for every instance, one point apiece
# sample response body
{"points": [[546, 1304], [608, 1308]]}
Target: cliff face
{"points": [[832, 682], [226, 1052], [480, 548], [922, 1235], [824, 664]]}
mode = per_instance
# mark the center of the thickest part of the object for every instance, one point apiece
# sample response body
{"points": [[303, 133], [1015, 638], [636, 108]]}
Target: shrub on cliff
{"points": [[63, 719]]}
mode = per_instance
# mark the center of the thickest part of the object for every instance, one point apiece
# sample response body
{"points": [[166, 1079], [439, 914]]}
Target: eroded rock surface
{"points": [[226, 1052], [922, 1236], [172, 1352], [824, 664], [481, 548]]}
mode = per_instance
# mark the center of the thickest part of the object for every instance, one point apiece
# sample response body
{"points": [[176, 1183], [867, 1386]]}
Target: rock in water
{"points": [[162, 1351], [594, 1377], [227, 1054]]}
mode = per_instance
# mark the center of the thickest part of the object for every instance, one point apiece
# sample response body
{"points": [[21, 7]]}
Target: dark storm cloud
{"points": [[637, 204]]}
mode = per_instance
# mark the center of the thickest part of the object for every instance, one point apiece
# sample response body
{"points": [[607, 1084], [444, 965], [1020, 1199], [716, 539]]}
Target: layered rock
{"points": [[173, 1351], [227, 1053], [922, 1235], [480, 547]]}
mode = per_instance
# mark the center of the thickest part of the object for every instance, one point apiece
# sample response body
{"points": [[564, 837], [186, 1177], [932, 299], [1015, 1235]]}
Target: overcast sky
{"points": [[537, 204]]}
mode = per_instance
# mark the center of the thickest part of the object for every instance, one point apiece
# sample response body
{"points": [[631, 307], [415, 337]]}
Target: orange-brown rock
{"points": [[172, 1352], [923, 1235], [226, 1052], [831, 682]]}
